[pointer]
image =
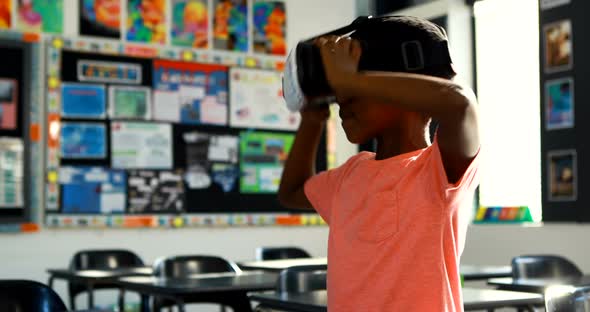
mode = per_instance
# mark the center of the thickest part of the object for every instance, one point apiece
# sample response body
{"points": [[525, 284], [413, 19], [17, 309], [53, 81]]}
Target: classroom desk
{"points": [[96, 277], [215, 283], [279, 265], [536, 285], [473, 299], [470, 272]]}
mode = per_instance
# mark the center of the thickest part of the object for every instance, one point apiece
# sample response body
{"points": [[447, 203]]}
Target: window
{"points": [[507, 52]]}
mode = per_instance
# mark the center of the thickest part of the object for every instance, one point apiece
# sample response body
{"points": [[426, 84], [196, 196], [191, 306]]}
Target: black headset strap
{"points": [[435, 58]]}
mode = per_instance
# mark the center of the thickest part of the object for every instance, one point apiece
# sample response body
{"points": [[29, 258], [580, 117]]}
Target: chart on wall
{"points": [[141, 145], [270, 20], [256, 101], [11, 173], [100, 18], [190, 93], [8, 104], [40, 16], [92, 190], [190, 23], [262, 157], [559, 103], [156, 191]]}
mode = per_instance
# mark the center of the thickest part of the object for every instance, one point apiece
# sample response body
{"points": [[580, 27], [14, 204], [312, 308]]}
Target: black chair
{"points": [[107, 259], [278, 253], [180, 267], [298, 279], [544, 266], [302, 278], [567, 299], [21, 295]]}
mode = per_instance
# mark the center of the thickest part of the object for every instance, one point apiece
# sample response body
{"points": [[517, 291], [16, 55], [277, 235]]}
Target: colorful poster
{"points": [[11, 173], [256, 99], [559, 49], [156, 191], [111, 72], [127, 102], [203, 151], [92, 190], [270, 27], [8, 104], [5, 14], [563, 172], [262, 157], [146, 21], [190, 93], [87, 101], [83, 140], [100, 18], [136, 145], [40, 16], [230, 25], [559, 104], [190, 23]]}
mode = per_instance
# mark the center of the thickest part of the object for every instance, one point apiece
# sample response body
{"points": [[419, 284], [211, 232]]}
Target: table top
{"points": [[537, 285], [99, 275], [473, 299], [470, 272], [479, 272], [279, 265], [200, 283]]}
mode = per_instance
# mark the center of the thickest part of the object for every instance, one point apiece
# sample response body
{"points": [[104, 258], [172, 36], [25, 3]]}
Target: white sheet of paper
{"points": [[112, 202], [212, 111], [141, 145], [549, 4], [257, 102], [11, 173], [166, 106]]}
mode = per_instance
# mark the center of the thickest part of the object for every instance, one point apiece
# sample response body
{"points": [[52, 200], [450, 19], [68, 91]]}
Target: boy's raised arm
{"points": [[300, 164]]}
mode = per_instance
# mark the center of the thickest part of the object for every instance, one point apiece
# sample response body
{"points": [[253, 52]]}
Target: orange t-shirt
{"points": [[397, 230]]}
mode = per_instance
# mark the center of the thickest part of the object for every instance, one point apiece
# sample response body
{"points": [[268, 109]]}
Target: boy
{"points": [[398, 217]]}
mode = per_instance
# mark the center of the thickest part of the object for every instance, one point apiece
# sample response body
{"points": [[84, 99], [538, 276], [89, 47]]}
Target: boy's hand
{"points": [[315, 115], [340, 56]]}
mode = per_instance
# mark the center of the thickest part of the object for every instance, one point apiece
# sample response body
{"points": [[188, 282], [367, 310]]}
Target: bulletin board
{"points": [[19, 132], [145, 136]]}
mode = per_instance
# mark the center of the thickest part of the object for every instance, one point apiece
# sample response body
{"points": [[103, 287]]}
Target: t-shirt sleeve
{"points": [[322, 187], [466, 185]]}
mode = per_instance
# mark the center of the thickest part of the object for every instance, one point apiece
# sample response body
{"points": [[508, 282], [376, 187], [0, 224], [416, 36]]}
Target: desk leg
{"points": [[90, 289], [145, 303], [50, 282]]}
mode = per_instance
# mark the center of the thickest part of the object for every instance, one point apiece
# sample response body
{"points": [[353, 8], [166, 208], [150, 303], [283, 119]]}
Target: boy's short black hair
{"points": [[384, 35]]}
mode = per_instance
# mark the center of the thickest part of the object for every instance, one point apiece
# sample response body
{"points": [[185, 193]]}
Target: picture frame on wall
{"points": [[558, 47], [562, 173], [559, 104]]}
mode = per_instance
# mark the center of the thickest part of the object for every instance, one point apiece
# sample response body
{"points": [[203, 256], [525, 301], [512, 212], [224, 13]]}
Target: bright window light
{"points": [[507, 51]]}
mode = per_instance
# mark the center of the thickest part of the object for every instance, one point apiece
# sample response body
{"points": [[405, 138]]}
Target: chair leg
{"points": [[72, 302], [121, 301]]}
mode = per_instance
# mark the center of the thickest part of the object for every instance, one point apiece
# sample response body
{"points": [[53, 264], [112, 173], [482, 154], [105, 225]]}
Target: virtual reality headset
{"points": [[304, 78]]}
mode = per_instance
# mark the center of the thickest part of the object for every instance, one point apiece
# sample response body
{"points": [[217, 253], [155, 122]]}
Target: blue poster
{"points": [[190, 93], [93, 190], [83, 140], [83, 101]]}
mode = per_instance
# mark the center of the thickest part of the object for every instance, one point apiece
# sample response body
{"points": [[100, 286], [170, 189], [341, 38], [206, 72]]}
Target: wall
{"points": [[29, 255]]}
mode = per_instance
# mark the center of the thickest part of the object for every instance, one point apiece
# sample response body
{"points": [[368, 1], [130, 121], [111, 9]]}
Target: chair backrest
{"points": [[277, 253], [100, 259], [544, 266], [182, 266], [567, 299], [22, 295], [302, 278]]}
